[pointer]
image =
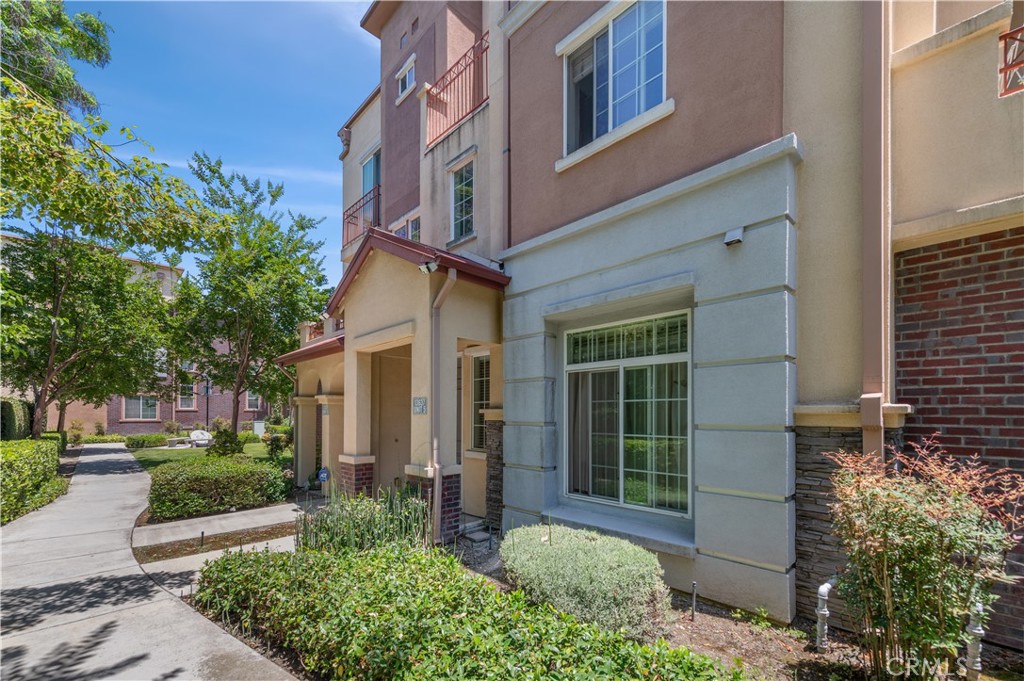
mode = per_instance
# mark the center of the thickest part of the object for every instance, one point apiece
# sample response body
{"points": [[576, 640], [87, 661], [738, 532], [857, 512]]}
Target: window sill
{"points": [[623, 131], [405, 95], [460, 241], [674, 542], [187, 409], [475, 455], [139, 421]]}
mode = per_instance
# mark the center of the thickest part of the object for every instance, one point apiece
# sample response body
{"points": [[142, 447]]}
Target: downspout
{"points": [[874, 247], [507, 76], [435, 392]]}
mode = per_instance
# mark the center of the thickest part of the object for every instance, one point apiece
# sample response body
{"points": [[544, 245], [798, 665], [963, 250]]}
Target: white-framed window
{"points": [[616, 75], [139, 408], [410, 229], [371, 171], [252, 401], [187, 395], [462, 201], [628, 404], [187, 366], [406, 77], [481, 398]]}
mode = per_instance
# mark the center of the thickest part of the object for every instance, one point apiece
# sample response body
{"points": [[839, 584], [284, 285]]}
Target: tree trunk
{"points": [[235, 400], [60, 416], [39, 414]]}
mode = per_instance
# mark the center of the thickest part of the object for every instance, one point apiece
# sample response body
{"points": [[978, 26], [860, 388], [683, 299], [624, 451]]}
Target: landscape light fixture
{"points": [[428, 266]]}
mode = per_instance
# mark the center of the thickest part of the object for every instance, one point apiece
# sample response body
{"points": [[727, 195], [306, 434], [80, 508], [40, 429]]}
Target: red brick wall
{"points": [[960, 363], [220, 405]]}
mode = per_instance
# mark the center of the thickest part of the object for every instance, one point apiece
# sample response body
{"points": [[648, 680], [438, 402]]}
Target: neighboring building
{"points": [[195, 401], [715, 268]]}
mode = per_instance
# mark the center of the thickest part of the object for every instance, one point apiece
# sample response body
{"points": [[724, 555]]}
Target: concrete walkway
{"points": [[76, 605]]}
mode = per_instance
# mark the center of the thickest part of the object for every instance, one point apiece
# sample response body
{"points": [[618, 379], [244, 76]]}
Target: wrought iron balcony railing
{"points": [[362, 215], [458, 93], [1011, 72]]}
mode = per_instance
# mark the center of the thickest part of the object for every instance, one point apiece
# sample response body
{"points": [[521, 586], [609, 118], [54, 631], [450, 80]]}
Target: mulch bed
{"points": [[214, 542]]}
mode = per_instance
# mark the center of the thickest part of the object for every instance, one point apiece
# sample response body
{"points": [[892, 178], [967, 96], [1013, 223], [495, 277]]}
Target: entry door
{"points": [[394, 419]]}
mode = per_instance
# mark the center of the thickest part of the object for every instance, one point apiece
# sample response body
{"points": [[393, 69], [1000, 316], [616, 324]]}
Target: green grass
{"points": [[151, 458]]}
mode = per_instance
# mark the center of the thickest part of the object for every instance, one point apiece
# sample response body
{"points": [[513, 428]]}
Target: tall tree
{"points": [[244, 306], [94, 328], [39, 40]]}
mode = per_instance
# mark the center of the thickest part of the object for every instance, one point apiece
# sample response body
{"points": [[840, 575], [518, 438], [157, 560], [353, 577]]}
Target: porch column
{"points": [[304, 435], [332, 409], [356, 409]]}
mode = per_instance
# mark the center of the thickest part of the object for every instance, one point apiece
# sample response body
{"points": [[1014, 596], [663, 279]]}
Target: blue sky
{"points": [[262, 85]]}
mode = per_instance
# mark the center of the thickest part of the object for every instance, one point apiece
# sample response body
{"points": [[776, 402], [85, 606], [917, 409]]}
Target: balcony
{"points": [[362, 215], [457, 94], [1011, 73]]}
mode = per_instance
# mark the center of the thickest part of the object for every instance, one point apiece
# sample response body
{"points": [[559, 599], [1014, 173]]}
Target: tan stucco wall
{"points": [[822, 106], [392, 375], [365, 138], [329, 371], [726, 102], [88, 415], [955, 144]]}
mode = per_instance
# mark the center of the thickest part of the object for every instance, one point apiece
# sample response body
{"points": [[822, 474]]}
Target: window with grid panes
{"points": [[481, 398], [462, 201]]}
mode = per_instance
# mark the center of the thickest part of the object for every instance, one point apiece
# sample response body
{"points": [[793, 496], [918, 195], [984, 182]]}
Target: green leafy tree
{"points": [[242, 309], [94, 328], [39, 40]]}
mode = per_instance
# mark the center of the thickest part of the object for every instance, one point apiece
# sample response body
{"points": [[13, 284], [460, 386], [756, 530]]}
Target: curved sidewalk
{"points": [[75, 604]]}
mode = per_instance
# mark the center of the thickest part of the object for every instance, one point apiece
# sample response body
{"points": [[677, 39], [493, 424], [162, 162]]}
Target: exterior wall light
{"points": [[428, 267]]}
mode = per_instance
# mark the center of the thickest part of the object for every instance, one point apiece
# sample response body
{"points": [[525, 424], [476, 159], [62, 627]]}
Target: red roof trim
{"points": [[416, 253], [321, 348]]}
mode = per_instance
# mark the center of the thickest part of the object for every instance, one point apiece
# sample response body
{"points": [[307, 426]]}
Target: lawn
{"points": [[151, 458]]}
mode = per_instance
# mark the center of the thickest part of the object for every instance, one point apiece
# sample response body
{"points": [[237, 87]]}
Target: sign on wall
{"points": [[419, 405]]}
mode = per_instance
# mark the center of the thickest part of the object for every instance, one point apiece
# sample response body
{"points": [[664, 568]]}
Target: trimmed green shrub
{"points": [[283, 430], [27, 468], [98, 439], [15, 419], [248, 437], [205, 485], [275, 419], [75, 432], [61, 438], [225, 443], [220, 423], [171, 427], [360, 522], [99, 428], [145, 441], [401, 613], [245, 426], [276, 444], [605, 580]]}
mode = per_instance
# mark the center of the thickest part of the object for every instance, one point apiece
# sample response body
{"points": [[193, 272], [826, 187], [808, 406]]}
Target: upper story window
{"points": [[252, 401], [403, 41], [462, 201], [410, 230], [616, 75], [187, 366], [406, 78], [371, 172], [187, 396]]}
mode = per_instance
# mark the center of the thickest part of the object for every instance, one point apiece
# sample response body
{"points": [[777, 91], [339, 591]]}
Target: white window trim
{"points": [[599, 21], [454, 166], [633, 125], [195, 398], [472, 354], [247, 396], [633, 361], [411, 87], [124, 402]]}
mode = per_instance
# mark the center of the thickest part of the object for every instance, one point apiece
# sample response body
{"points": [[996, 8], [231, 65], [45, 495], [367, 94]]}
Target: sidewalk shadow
{"points": [[68, 661], [27, 606], [89, 465]]}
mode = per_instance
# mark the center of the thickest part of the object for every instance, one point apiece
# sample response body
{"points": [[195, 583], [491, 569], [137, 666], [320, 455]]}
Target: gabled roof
{"points": [[321, 348], [417, 254]]}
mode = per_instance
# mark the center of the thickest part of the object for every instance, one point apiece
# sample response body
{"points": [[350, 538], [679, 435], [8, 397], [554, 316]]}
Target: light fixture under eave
{"points": [[428, 267]]}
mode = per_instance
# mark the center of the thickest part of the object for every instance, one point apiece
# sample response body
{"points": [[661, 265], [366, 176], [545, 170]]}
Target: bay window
{"points": [[628, 413]]}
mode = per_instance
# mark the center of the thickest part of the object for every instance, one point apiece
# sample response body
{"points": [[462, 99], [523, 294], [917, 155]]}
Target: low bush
{"points": [[225, 443], [171, 427], [283, 430], [600, 579], [145, 441], [15, 419], [245, 426], [204, 485], [401, 613], [248, 437], [98, 439], [360, 522], [28, 469], [60, 437], [275, 419], [220, 423], [276, 444], [99, 428], [76, 432]]}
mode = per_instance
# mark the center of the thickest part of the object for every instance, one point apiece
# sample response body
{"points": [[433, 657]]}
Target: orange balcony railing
{"points": [[1011, 72], [458, 93], [316, 331], [362, 215]]}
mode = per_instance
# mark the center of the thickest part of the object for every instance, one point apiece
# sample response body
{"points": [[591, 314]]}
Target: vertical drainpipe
{"points": [[874, 242], [435, 392], [508, 137]]}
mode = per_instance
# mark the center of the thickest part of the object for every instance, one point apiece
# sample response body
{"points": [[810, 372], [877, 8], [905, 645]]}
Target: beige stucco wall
{"points": [[956, 145], [821, 104], [365, 139]]}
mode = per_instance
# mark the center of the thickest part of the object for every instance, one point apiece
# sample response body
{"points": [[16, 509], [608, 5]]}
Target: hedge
{"points": [[145, 441], [28, 469], [15, 419], [204, 485], [605, 580], [60, 437], [98, 439], [248, 437], [402, 613], [283, 430]]}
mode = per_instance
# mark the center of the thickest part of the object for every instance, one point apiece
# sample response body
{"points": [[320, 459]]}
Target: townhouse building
{"points": [[605, 268]]}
